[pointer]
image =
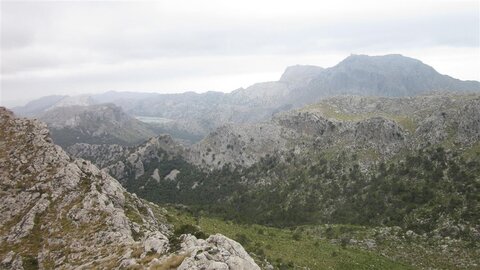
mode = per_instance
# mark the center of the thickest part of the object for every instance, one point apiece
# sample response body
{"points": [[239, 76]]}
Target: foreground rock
{"points": [[216, 252]]}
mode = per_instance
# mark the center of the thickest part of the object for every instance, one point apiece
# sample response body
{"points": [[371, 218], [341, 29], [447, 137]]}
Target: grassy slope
{"points": [[287, 249]]}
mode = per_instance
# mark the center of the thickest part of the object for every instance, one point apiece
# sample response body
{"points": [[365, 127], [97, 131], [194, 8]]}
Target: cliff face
{"points": [[58, 212]]}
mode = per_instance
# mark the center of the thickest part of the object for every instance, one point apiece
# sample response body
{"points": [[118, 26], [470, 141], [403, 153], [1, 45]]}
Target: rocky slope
{"points": [[58, 212], [135, 163], [104, 123], [101, 155]]}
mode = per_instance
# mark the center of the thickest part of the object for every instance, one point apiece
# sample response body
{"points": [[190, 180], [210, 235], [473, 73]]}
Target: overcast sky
{"points": [[173, 46]]}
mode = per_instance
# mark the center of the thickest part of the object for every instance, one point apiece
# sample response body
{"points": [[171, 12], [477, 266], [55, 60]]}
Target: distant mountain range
{"points": [[192, 116]]}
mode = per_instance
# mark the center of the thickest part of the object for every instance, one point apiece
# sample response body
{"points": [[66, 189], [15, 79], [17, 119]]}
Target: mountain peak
{"points": [[300, 73], [388, 59]]}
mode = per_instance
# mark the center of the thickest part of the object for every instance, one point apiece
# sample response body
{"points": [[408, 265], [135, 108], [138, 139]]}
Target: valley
{"points": [[373, 163]]}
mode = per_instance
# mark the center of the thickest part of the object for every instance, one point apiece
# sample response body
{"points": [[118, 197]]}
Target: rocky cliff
{"points": [[58, 212]]}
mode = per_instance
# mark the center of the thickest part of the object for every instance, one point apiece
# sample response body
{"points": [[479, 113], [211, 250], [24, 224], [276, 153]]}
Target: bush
{"points": [[344, 242], [297, 236]]}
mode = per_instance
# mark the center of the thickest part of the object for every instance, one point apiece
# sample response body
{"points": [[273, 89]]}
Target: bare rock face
{"points": [[240, 145], [99, 154], [216, 252], [58, 212], [133, 163], [383, 135]]}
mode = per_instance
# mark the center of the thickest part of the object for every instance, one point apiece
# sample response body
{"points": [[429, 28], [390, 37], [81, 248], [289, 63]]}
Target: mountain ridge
{"points": [[388, 75]]}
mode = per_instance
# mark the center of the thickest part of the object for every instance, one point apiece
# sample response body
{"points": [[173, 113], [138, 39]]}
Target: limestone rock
{"points": [[216, 252]]}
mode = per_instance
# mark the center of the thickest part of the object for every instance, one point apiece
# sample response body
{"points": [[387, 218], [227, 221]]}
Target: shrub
{"points": [[297, 236]]}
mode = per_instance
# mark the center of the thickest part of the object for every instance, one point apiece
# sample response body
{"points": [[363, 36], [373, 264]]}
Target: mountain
{"points": [[58, 212], [81, 100], [388, 76], [300, 74], [190, 116], [104, 123], [38, 106]]}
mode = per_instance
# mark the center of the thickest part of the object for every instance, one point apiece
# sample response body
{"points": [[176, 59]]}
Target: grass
{"points": [[472, 152], [288, 249], [132, 213], [333, 113]]}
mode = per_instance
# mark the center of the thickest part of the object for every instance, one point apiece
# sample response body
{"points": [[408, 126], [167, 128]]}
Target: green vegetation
{"points": [[278, 247], [430, 197], [407, 122], [417, 192]]}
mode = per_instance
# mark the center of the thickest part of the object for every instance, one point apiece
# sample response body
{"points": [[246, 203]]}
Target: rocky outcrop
{"points": [[216, 252], [58, 212], [300, 74], [240, 145], [154, 151], [382, 135]]}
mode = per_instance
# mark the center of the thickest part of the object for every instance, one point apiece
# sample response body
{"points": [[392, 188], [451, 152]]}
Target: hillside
{"points": [[58, 212], [104, 123]]}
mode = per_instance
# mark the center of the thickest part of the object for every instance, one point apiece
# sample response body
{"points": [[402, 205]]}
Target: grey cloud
{"points": [[45, 37]]}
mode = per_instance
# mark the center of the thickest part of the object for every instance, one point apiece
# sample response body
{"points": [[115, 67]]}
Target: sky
{"points": [[78, 47]]}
